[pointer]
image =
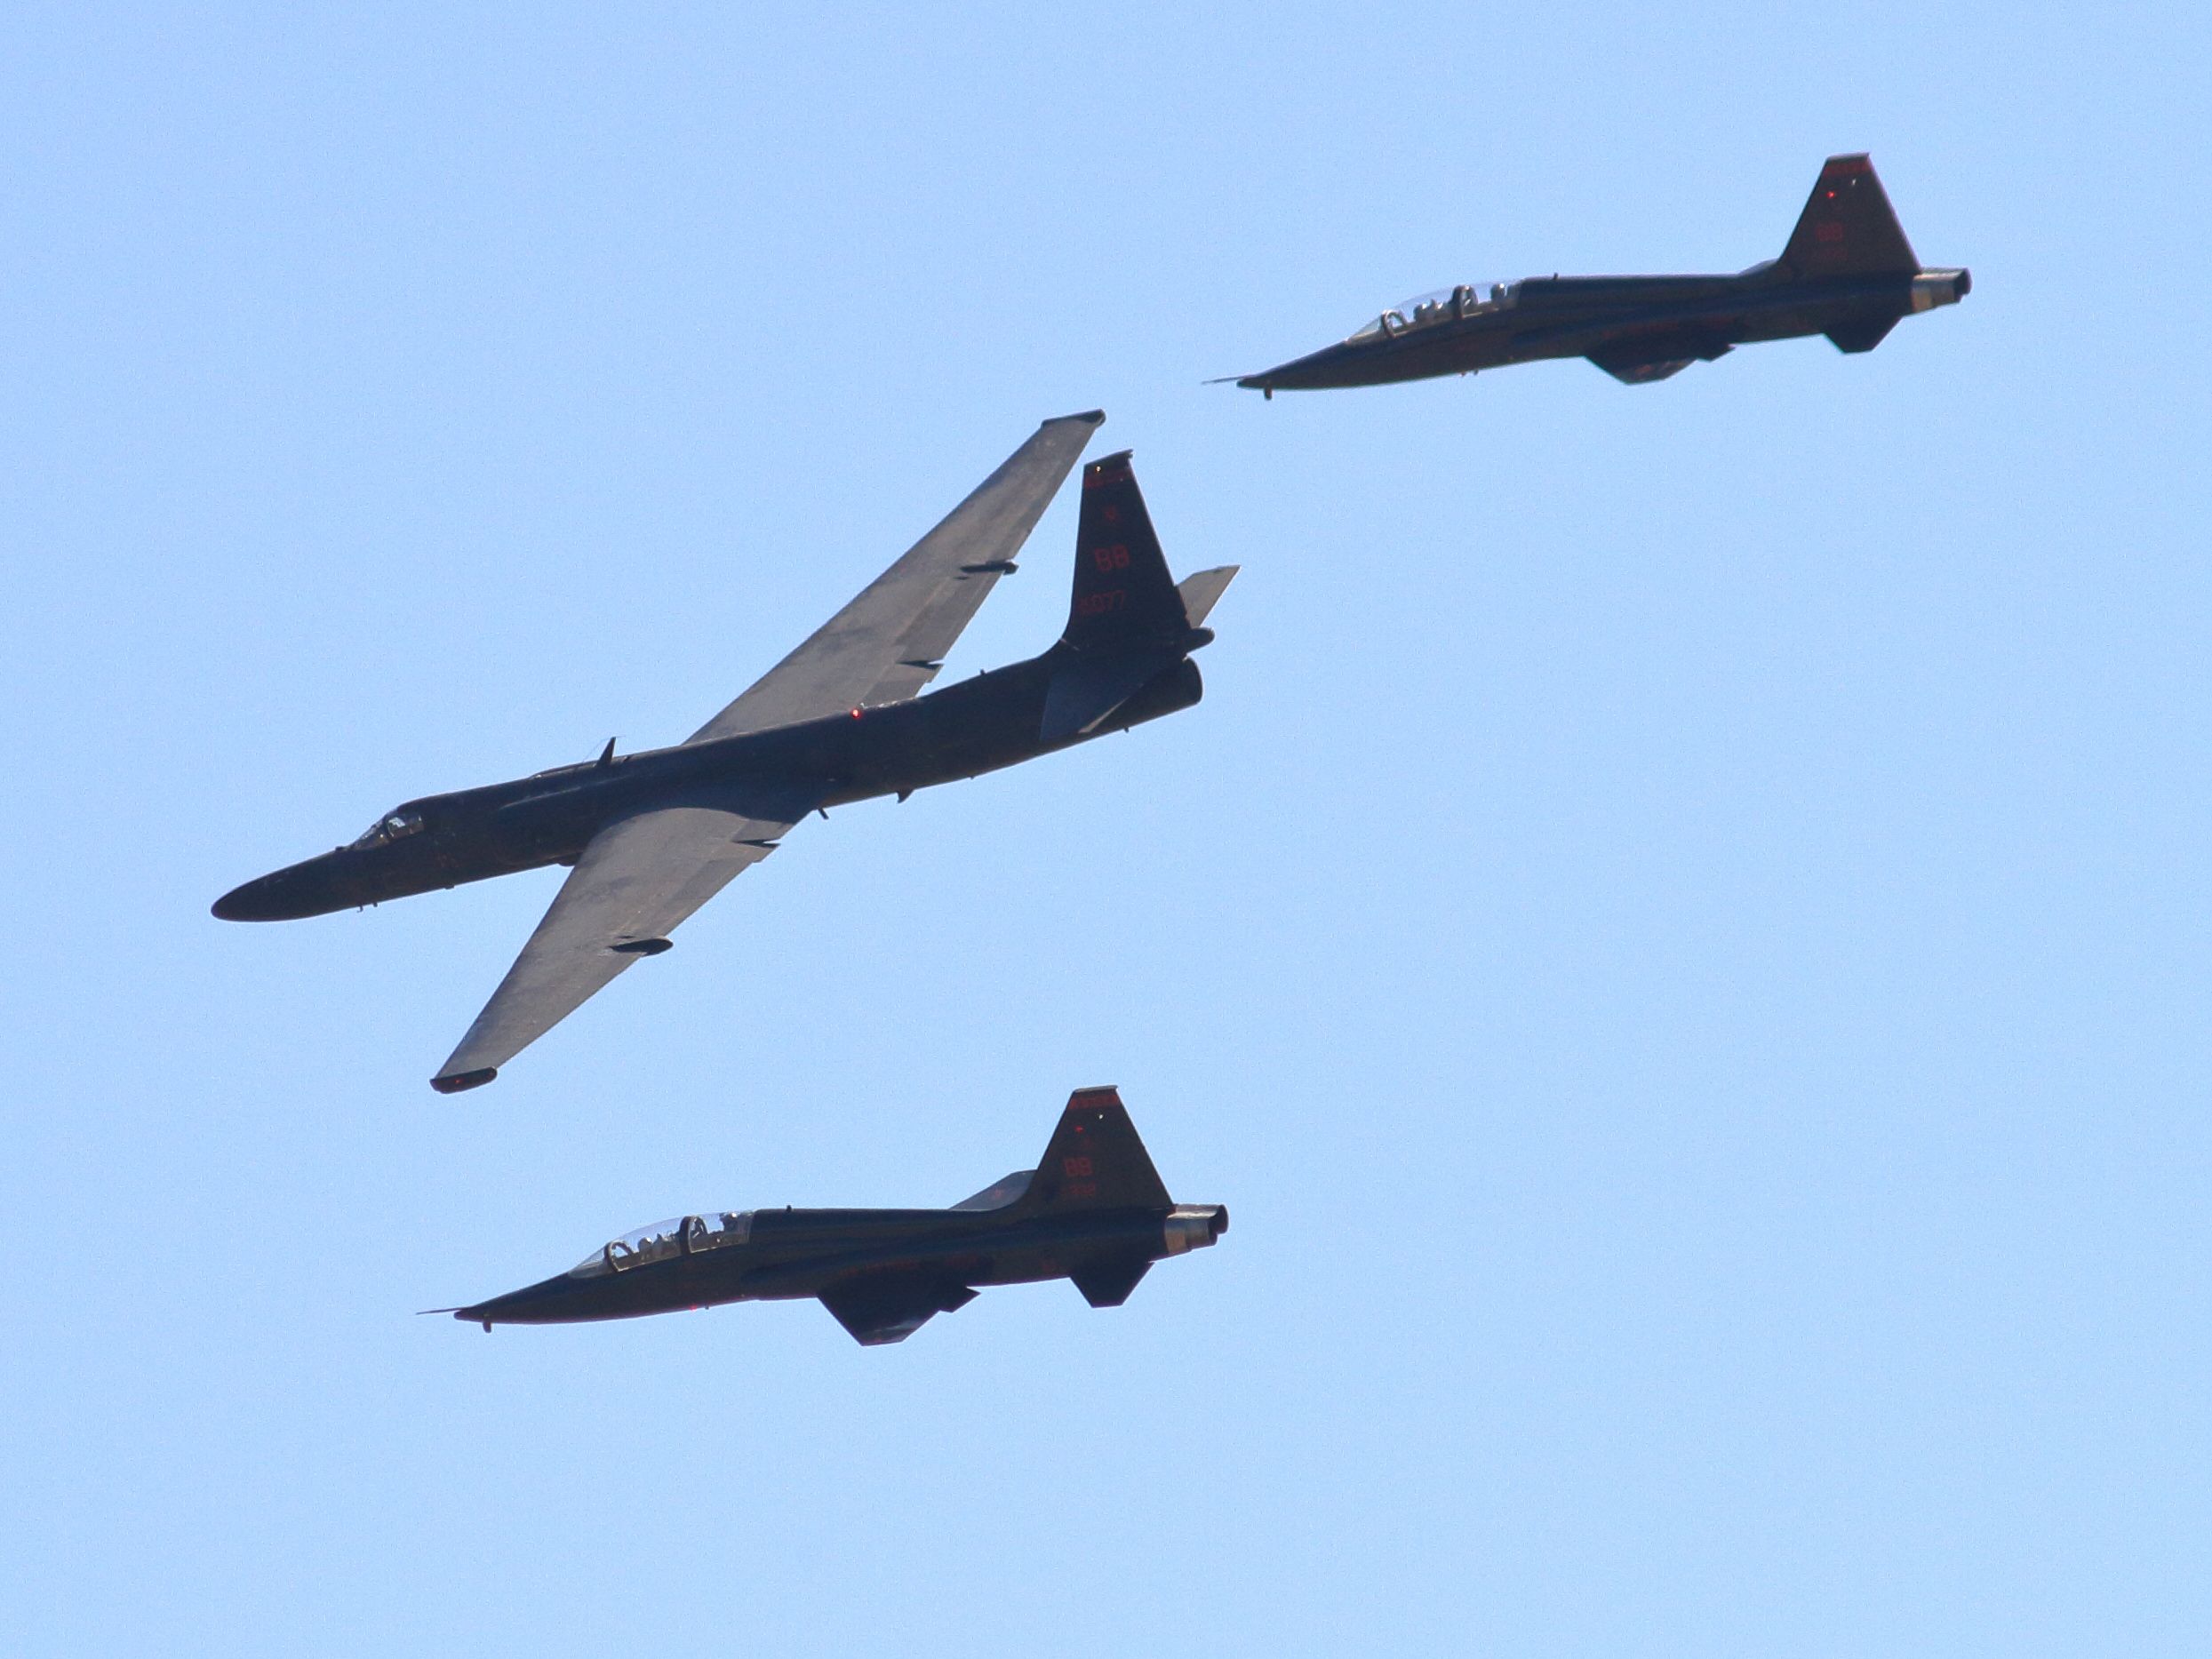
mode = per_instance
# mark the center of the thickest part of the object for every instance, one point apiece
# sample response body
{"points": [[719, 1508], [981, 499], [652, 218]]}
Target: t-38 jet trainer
{"points": [[654, 835], [1848, 273], [1093, 1211]]}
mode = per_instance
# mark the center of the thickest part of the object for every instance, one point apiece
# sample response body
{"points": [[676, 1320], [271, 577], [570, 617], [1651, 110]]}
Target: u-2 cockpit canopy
{"points": [[665, 1240], [1443, 305], [392, 826]]}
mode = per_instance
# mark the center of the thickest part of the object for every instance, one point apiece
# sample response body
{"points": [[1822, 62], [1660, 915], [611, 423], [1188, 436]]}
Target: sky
{"points": [[1677, 931]]}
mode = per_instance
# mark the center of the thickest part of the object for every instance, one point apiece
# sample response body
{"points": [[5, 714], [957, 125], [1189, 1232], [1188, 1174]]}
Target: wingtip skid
{"points": [[454, 1082]]}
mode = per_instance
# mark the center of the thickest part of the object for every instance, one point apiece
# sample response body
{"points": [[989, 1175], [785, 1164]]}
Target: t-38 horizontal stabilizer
{"points": [[1863, 335], [1108, 1284]]}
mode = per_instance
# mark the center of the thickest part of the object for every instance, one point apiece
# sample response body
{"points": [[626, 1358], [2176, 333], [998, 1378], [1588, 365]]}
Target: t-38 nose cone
{"points": [[556, 1301]]}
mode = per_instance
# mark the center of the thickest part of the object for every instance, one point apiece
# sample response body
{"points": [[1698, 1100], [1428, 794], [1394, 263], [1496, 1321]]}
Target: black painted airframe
{"points": [[1094, 1211], [652, 836], [1847, 272]]}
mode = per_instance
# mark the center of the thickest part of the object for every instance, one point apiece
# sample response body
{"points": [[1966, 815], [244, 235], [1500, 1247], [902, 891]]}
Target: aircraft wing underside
{"points": [[1638, 360], [637, 881], [1638, 340], [892, 640], [888, 1307]]}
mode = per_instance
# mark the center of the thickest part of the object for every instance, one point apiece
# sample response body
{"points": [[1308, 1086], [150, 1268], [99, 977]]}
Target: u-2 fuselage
{"points": [[976, 725]]}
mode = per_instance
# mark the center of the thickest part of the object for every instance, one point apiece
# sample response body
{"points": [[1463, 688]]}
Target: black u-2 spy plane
{"points": [[654, 835], [1848, 273], [1094, 1211]]}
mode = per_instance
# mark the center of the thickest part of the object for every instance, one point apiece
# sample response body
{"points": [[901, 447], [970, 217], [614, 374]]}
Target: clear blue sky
{"points": [[1678, 930]]}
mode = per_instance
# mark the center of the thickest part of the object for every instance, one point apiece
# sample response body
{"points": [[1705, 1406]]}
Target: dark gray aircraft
{"points": [[654, 835], [1094, 1211], [1848, 273]]}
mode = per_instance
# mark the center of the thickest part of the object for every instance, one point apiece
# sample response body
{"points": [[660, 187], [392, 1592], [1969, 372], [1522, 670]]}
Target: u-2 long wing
{"points": [[636, 880], [640, 877], [892, 640]]}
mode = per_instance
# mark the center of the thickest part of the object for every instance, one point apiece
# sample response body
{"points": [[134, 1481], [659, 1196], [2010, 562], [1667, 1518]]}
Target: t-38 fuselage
{"points": [[1094, 1211], [1847, 272]]}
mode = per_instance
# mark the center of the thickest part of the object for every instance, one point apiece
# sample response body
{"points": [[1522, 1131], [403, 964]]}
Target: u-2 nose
{"points": [[247, 902], [307, 890]]}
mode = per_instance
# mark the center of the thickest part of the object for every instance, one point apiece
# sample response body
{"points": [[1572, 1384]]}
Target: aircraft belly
{"points": [[1034, 1266], [943, 744], [1179, 687], [351, 878], [1791, 321], [483, 864], [660, 1287], [1426, 360], [1544, 350], [1798, 322], [531, 845]]}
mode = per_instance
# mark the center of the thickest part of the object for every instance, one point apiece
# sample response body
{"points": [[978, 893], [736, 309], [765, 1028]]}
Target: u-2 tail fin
{"points": [[1095, 1160], [1848, 227], [1124, 598]]}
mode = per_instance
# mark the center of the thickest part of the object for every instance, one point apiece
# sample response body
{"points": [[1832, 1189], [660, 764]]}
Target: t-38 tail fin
{"points": [[1095, 1160], [1848, 227]]}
